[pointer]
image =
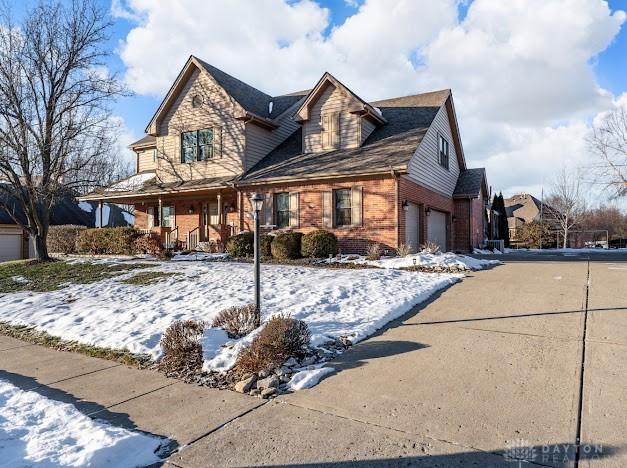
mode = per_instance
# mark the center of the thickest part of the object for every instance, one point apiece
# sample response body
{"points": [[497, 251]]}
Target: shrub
{"points": [[238, 321], [286, 245], [149, 245], [281, 338], [240, 245], [181, 349], [373, 252], [63, 239], [210, 247], [319, 244], [265, 244], [403, 250], [430, 247], [111, 241]]}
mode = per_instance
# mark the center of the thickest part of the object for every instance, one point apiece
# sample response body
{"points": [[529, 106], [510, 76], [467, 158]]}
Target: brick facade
{"points": [[378, 211], [383, 218]]}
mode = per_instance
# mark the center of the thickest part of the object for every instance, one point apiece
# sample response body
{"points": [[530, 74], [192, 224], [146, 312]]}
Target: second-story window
{"points": [[197, 145], [442, 151], [282, 209]]}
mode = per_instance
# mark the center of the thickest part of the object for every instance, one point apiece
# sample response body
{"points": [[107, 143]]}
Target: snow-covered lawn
{"points": [[37, 431], [333, 302], [422, 259]]}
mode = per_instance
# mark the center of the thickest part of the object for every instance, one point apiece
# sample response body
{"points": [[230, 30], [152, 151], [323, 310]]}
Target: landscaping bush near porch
{"points": [[319, 244], [182, 351], [286, 245], [63, 239], [107, 241], [241, 245]]}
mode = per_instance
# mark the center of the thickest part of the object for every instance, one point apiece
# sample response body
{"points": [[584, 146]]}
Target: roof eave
{"points": [[272, 180]]}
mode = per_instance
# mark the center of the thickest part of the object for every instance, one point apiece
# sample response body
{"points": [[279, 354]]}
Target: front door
{"points": [[412, 224]]}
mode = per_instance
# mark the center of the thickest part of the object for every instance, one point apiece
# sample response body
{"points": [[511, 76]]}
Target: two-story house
{"points": [[390, 172]]}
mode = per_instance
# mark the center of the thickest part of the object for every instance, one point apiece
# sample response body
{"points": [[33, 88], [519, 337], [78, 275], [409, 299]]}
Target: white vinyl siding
{"points": [[424, 167], [146, 159], [366, 129]]}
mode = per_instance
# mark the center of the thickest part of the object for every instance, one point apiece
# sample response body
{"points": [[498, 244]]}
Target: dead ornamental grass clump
{"points": [[182, 351], [281, 338], [238, 321], [373, 252]]}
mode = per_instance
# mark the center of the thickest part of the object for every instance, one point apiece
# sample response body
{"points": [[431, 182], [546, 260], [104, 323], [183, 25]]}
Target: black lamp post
{"points": [[257, 204]]}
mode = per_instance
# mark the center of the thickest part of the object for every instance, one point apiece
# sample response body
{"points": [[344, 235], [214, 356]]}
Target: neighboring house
{"points": [[14, 241], [522, 209], [390, 172]]}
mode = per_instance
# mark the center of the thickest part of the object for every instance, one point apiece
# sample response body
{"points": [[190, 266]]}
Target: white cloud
{"points": [[521, 71]]}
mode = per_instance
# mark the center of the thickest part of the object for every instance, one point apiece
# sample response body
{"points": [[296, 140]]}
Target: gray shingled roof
{"points": [[154, 186], [65, 211], [390, 145], [147, 139], [469, 182]]}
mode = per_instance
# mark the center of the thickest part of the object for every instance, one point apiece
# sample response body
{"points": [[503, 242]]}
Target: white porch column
{"points": [[160, 212], [100, 209], [219, 196]]}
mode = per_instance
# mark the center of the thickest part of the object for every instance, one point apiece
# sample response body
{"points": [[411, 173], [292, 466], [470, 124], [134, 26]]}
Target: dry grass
{"points": [[32, 335], [373, 252], [182, 351], [430, 247], [403, 250], [281, 338], [238, 321]]}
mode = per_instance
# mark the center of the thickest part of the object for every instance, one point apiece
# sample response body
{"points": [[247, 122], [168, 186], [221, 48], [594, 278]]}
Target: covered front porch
{"points": [[182, 222]]}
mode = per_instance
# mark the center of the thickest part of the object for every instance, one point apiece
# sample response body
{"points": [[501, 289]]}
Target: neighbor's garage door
{"points": [[10, 246], [436, 228]]}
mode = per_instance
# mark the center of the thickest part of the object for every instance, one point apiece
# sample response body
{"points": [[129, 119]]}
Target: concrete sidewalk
{"points": [[135, 399], [491, 368], [493, 363]]}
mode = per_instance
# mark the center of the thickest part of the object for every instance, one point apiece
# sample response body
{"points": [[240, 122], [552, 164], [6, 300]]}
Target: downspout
{"points": [[470, 224], [397, 207]]}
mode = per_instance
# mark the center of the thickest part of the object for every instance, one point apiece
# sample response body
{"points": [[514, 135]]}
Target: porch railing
{"points": [[192, 238], [145, 232], [171, 238]]}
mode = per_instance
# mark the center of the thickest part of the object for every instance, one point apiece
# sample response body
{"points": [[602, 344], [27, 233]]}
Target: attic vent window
{"points": [[443, 151], [270, 107], [197, 101]]}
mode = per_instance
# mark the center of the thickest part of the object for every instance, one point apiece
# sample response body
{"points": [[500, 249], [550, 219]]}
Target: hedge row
{"points": [[63, 239], [107, 241], [285, 245]]}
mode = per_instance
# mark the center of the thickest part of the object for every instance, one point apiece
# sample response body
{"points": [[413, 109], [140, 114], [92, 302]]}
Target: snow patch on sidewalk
{"points": [[37, 431], [308, 378]]}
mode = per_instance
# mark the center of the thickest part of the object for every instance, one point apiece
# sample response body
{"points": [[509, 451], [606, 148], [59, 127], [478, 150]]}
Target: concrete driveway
{"points": [[517, 362]]}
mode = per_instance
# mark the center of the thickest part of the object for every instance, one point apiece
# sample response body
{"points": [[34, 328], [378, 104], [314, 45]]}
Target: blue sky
{"points": [[528, 79]]}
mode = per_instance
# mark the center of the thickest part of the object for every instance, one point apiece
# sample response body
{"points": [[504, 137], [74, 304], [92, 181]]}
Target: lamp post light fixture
{"points": [[257, 204]]}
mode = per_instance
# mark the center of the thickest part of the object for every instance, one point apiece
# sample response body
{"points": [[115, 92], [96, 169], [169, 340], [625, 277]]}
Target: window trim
{"points": [[197, 145], [336, 224], [275, 198], [444, 162], [169, 217]]}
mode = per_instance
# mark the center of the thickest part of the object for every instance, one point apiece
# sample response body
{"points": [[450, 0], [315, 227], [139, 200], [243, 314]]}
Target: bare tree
{"points": [[566, 202], [56, 131], [609, 143]]}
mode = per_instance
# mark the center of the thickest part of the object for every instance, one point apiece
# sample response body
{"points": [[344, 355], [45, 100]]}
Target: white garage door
{"points": [[10, 247], [436, 229], [412, 227]]}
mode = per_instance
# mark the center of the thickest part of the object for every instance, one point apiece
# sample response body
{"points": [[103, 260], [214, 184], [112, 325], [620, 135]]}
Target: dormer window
{"points": [[443, 151], [197, 145]]}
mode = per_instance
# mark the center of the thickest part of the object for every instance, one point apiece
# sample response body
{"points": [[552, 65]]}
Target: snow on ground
{"points": [[421, 259], [568, 251], [207, 256], [333, 303], [37, 431], [308, 378]]}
